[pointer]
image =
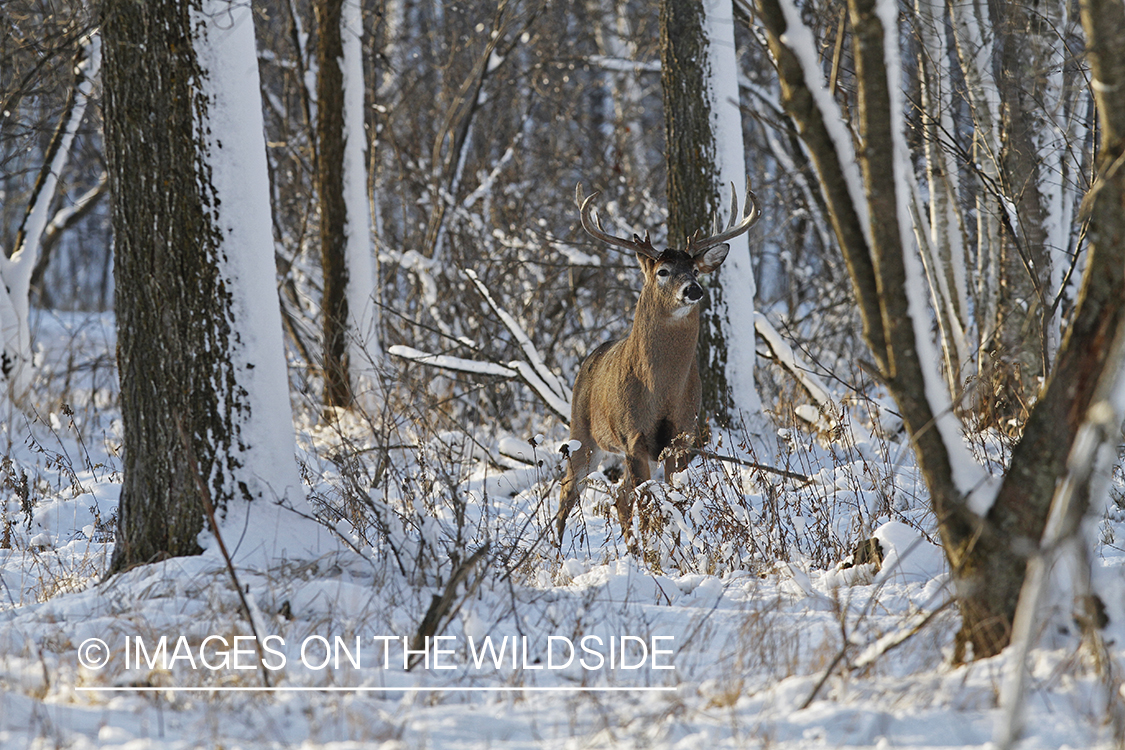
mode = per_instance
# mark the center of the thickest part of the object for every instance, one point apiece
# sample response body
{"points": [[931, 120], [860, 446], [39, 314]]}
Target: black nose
{"points": [[693, 293]]}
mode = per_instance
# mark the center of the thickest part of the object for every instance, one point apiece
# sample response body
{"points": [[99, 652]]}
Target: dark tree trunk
{"points": [[1018, 345], [333, 210], [174, 318], [693, 200]]}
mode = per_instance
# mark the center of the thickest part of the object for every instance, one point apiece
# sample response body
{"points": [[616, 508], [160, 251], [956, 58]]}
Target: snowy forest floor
{"points": [[741, 590]]}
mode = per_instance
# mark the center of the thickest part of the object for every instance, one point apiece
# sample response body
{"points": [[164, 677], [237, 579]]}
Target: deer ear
{"points": [[712, 259], [645, 262]]}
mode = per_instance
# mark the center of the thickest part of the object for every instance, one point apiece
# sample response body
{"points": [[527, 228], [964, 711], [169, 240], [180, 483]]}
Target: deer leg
{"points": [[636, 472], [578, 466], [677, 456]]}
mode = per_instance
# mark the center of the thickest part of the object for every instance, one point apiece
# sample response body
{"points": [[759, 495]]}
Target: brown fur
{"points": [[639, 395]]}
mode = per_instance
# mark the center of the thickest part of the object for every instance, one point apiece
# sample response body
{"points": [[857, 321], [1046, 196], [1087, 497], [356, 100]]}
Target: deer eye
{"points": [[663, 272], [695, 272]]}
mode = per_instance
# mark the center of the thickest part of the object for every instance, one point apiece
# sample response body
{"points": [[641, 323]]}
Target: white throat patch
{"points": [[682, 312]]}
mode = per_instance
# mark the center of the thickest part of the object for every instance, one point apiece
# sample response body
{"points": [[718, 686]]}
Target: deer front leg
{"points": [[577, 467], [637, 472], [677, 455]]}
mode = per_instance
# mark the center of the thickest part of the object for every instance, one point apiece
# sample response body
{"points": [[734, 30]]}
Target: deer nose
{"points": [[693, 292]]}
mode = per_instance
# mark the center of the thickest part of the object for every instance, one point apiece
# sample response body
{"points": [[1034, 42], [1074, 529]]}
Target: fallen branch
{"points": [[532, 370], [751, 464]]}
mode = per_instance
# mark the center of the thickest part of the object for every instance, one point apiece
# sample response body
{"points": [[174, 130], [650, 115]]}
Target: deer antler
{"points": [[593, 226], [696, 245]]}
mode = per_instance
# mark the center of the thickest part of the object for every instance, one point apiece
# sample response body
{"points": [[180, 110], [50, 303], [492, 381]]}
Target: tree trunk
{"points": [[1039, 460], [988, 554], [17, 271], [204, 396], [703, 131], [333, 209]]}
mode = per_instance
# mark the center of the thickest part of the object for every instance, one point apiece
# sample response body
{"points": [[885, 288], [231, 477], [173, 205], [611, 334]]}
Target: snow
{"points": [[16, 271], [969, 476], [799, 39], [363, 342], [750, 636], [788, 359], [540, 377], [272, 524], [743, 587], [446, 362]]}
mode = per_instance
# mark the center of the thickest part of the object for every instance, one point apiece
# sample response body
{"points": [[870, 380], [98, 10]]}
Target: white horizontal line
{"points": [[367, 689]]}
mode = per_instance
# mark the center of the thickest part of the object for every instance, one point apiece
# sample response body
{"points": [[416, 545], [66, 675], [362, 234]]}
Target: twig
{"points": [[209, 509], [441, 607], [873, 652], [751, 464]]}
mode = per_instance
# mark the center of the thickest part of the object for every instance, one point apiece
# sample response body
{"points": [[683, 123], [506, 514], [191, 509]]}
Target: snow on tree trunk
{"points": [[204, 386], [1059, 145], [364, 348], [611, 31], [703, 125], [947, 259], [262, 469], [967, 474], [735, 312], [975, 54], [16, 272], [1081, 495]]}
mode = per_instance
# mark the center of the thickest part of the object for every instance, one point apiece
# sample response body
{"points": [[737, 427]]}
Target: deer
{"points": [[641, 395]]}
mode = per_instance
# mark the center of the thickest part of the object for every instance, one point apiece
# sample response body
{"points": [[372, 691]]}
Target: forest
{"points": [[297, 443]]}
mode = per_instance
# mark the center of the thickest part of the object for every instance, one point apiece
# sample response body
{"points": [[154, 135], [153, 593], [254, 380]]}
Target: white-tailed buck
{"points": [[641, 394]]}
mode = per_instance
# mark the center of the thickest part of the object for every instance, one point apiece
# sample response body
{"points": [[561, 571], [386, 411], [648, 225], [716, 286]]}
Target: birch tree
{"points": [[204, 392]]}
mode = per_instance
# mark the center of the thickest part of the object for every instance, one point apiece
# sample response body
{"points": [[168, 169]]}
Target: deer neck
{"points": [[661, 344]]}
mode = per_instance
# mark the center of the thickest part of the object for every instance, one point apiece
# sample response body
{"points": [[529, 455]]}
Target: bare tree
{"points": [[203, 388], [16, 271], [986, 537], [345, 229]]}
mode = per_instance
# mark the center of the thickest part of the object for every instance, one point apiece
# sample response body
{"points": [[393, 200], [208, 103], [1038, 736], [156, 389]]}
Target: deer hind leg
{"points": [[578, 466]]}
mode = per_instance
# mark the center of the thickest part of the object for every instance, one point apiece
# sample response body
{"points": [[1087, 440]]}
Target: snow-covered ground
{"points": [[738, 628]]}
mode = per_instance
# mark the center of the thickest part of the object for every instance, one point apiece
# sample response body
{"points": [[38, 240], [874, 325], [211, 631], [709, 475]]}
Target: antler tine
{"points": [[695, 245], [593, 226]]}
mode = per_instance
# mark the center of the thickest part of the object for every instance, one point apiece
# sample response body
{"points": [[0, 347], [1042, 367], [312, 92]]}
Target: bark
{"points": [[165, 275], [974, 55], [624, 101], [947, 263], [1020, 511], [17, 271], [700, 137], [199, 339], [1024, 263], [876, 265], [333, 209], [903, 374]]}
